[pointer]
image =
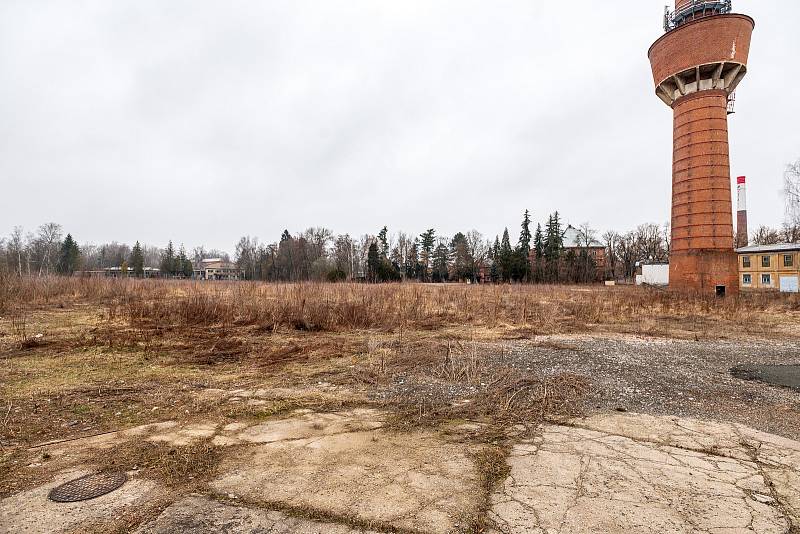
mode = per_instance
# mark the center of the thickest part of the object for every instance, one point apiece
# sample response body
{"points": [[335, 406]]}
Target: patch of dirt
{"points": [[90, 410], [182, 467]]}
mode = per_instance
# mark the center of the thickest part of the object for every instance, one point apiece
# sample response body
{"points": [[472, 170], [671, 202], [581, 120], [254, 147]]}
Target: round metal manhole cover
{"points": [[87, 487]]}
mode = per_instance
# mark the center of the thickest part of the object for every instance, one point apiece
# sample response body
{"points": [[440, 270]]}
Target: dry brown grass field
{"points": [[80, 357]]}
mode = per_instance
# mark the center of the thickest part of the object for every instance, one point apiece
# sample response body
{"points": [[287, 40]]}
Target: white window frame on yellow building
{"points": [[770, 267]]}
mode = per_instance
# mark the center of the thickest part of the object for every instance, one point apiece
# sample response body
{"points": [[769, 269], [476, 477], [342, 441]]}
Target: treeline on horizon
{"points": [[537, 255], [319, 254]]}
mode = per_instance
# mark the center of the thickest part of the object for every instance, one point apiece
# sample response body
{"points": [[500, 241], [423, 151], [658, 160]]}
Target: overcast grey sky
{"points": [[201, 121]]}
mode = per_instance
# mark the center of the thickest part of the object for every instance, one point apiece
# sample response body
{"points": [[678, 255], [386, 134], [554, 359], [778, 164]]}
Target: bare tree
{"points": [[478, 249], [47, 243], [362, 252], [650, 243], [317, 240], [4, 260], [16, 247], [610, 240], [247, 256], [790, 232], [627, 254], [586, 236], [89, 254], [764, 235], [792, 192], [401, 245], [344, 253], [198, 255]]}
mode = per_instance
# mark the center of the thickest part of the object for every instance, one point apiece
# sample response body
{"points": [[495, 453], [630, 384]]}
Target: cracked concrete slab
{"points": [[32, 512], [322, 391], [606, 473], [777, 457], [297, 425], [415, 481], [302, 425], [201, 515], [632, 473]]}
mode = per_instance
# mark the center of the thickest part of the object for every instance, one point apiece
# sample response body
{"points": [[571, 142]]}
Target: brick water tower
{"points": [[697, 65]]}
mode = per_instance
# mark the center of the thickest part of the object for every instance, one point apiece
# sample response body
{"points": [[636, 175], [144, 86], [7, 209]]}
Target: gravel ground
{"points": [[777, 375], [672, 377]]}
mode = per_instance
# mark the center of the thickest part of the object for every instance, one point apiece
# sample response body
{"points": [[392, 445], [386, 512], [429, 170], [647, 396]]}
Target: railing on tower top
{"points": [[694, 10]]}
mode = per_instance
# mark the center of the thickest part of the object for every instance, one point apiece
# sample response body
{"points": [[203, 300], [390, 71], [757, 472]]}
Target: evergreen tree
{"points": [[286, 257], [538, 251], [69, 256], [427, 242], [183, 265], [522, 267], [412, 261], [441, 264], [384, 242], [137, 260], [168, 260], [506, 257], [462, 261], [386, 269], [553, 247], [493, 254], [538, 242], [525, 233], [373, 262]]}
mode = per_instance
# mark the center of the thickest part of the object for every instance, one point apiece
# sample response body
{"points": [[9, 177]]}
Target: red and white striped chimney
{"points": [[741, 212]]}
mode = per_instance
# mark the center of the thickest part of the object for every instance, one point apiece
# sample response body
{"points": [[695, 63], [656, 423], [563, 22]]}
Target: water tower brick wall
{"points": [[701, 189], [702, 42], [695, 67]]}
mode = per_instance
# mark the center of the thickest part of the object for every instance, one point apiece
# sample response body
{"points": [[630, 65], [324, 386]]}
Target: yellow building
{"points": [[775, 267]]}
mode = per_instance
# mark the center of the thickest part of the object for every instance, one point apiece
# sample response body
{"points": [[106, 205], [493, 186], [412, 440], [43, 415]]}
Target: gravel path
{"points": [[672, 377]]}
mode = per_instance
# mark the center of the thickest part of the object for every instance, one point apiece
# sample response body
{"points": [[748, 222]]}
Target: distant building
{"points": [[117, 272], [775, 267], [217, 269], [595, 249]]}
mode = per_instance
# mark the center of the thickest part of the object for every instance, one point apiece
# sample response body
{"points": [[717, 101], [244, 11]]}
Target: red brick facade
{"points": [[695, 67], [702, 42]]}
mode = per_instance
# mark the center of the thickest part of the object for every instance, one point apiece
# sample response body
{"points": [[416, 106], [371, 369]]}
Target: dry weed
{"points": [[182, 467], [313, 307], [19, 329], [431, 384]]}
